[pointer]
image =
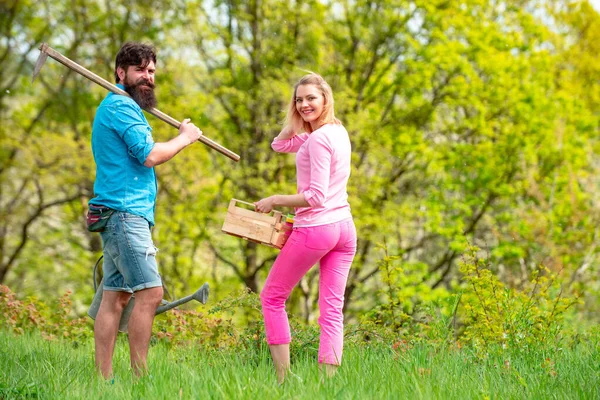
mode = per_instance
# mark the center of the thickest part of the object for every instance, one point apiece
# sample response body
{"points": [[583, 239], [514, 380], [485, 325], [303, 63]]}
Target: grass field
{"points": [[31, 367]]}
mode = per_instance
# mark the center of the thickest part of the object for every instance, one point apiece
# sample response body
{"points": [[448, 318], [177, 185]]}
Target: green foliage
{"points": [[517, 319], [32, 367], [220, 327], [409, 308], [54, 321], [234, 322], [466, 118], [483, 313], [194, 328]]}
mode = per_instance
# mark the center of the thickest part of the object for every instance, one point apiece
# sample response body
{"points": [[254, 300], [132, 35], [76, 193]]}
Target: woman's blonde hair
{"points": [[294, 119]]}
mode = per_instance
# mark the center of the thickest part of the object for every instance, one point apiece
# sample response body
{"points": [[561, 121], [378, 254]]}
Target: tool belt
{"points": [[97, 217]]}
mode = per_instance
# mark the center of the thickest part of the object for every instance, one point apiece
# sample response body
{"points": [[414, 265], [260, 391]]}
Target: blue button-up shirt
{"points": [[121, 141]]}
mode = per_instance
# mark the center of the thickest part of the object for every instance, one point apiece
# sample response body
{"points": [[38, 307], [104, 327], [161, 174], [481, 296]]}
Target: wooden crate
{"points": [[269, 229]]}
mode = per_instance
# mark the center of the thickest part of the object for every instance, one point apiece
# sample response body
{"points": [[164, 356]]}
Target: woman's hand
{"points": [[266, 205]]}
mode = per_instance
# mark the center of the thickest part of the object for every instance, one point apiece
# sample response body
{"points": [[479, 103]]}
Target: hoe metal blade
{"points": [[39, 64]]}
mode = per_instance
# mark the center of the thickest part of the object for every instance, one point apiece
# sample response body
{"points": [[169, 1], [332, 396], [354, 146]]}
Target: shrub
{"points": [[483, 312], [519, 319], [408, 307], [32, 314]]}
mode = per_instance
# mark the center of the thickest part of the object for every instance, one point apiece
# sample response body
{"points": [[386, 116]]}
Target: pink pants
{"points": [[334, 245]]}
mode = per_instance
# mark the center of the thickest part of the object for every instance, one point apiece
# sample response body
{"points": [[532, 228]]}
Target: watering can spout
{"points": [[201, 295]]}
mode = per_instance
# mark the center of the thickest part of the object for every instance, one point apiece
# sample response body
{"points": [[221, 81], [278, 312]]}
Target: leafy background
{"points": [[473, 123]]}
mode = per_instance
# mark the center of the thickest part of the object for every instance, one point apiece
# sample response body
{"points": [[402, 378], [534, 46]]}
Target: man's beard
{"points": [[142, 92]]}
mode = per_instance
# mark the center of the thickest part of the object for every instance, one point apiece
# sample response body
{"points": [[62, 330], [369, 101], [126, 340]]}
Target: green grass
{"points": [[31, 367]]}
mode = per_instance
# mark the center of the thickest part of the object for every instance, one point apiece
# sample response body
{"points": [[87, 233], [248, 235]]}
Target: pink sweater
{"points": [[322, 170]]}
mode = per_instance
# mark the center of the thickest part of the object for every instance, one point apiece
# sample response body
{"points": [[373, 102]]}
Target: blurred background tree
{"points": [[471, 122]]}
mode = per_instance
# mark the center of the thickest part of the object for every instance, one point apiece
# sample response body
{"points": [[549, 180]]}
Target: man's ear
{"points": [[121, 74]]}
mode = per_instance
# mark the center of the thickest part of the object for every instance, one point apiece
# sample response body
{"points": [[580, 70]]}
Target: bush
{"points": [[519, 319], [31, 314], [408, 309], [482, 312]]}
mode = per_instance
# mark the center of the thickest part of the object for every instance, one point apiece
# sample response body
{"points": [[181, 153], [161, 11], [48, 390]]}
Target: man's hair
{"points": [[132, 53], [294, 119]]}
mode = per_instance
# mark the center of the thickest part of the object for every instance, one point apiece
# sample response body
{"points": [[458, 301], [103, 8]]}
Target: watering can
{"points": [[200, 295]]}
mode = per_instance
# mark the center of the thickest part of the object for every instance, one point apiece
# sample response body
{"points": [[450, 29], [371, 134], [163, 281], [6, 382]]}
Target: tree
{"points": [[46, 173], [470, 122]]}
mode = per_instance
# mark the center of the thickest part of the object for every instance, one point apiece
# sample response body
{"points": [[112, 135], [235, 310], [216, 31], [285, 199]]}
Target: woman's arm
{"points": [[286, 133], [281, 200], [288, 141]]}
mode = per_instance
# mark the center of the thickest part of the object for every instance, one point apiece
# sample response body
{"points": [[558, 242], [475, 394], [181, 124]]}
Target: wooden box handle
{"points": [[232, 203]]}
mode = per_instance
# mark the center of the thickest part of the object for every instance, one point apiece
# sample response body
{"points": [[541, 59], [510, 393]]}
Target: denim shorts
{"points": [[129, 254]]}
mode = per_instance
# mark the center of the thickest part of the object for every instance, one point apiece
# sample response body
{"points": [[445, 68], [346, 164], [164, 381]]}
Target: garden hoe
{"points": [[46, 51]]}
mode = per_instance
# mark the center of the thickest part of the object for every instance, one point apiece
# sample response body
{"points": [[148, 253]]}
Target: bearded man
{"points": [[125, 189]]}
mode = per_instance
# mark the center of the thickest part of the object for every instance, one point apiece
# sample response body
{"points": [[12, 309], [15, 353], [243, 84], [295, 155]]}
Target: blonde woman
{"points": [[323, 230]]}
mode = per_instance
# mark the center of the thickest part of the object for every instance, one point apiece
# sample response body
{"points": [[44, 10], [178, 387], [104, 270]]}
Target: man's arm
{"points": [[163, 152]]}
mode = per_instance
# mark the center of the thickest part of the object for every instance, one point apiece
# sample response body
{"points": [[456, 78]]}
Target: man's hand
{"points": [[163, 152], [190, 131]]}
